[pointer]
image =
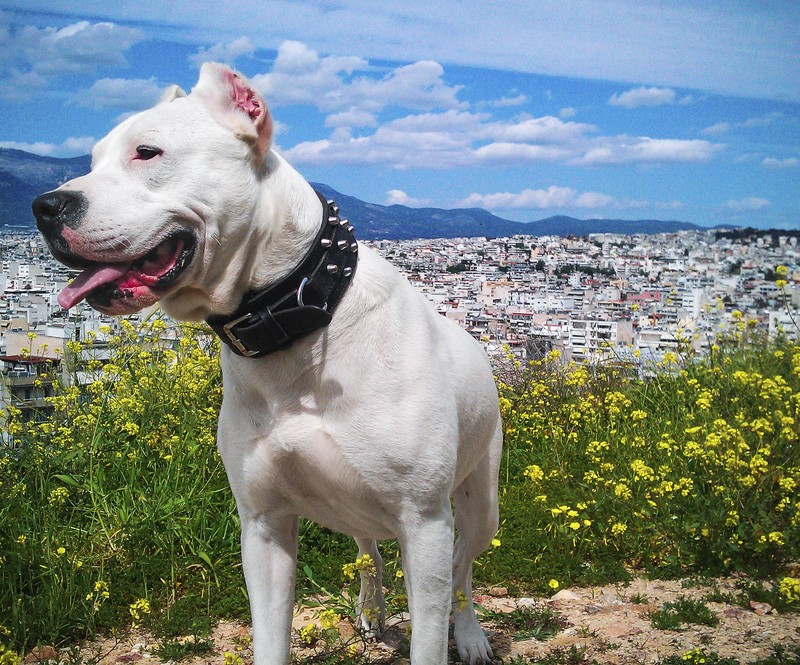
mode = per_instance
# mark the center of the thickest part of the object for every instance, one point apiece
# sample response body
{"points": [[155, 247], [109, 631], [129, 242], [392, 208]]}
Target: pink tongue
{"points": [[89, 280]]}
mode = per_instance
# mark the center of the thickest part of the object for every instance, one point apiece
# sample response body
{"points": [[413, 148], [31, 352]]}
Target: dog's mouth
{"points": [[129, 286]]}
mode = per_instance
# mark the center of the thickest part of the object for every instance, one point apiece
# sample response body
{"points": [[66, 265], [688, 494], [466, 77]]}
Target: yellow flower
{"points": [[309, 634], [59, 496], [231, 658], [535, 473], [138, 608], [776, 537], [496, 542], [363, 564], [789, 588], [328, 619], [553, 584]]}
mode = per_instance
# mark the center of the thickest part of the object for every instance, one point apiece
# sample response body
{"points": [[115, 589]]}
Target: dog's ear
{"points": [[172, 93], [235, 103]]}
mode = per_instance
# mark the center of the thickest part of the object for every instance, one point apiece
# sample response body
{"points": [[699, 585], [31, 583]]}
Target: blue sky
{"points": [[673, 109]]}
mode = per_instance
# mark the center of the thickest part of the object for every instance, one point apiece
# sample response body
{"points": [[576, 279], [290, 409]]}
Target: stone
{"points": [[42, 653], [762, 609], [527, 602], [498, 591], [565, 594]]}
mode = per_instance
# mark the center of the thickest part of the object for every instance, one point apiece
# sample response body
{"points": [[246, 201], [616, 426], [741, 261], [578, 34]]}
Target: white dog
{"points": [[348, 399]]}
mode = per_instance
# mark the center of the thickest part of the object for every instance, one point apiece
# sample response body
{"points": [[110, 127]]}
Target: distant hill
{"points": [[23, 176], [374, 222]]}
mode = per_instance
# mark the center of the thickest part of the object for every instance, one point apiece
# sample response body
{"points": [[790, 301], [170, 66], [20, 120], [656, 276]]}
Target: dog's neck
{"points": [[285, 225]]}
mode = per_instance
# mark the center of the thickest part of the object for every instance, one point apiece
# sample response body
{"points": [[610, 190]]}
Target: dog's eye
{"points": [[148, 152]]}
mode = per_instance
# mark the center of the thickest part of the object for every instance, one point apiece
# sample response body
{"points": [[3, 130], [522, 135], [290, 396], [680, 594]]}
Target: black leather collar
{"points": [[272, 319]]}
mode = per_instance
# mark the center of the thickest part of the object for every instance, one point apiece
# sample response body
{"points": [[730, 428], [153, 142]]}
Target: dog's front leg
{"points": [[269, 560], [427, 550]]}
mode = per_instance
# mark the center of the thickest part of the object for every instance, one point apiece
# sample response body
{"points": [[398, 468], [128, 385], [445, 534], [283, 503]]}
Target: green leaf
{"points": [[67, 480]]}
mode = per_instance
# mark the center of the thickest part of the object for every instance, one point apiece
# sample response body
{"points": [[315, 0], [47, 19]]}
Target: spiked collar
{"points": [[271, 319]]}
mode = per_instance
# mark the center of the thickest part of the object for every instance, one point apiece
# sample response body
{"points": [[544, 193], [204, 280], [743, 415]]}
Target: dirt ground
{"points": [[611, 623]]}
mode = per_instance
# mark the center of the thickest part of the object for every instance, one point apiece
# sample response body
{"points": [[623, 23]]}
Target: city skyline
{"points": [[593, 110]]}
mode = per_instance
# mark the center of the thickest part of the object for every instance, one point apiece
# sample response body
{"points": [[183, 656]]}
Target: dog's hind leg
{"points": [[476, 522], [371, 608]]}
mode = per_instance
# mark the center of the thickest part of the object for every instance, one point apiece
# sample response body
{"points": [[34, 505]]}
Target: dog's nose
{"points": [[55, 209]]}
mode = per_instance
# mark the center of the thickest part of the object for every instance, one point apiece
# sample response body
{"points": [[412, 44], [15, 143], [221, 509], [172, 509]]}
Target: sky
{"points": [[633, 109]]}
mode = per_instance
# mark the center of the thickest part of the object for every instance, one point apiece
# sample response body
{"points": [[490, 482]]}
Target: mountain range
{"points": [[23, 176]]}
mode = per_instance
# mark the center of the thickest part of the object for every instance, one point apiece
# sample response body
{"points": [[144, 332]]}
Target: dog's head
{"points": [[168, 202]]}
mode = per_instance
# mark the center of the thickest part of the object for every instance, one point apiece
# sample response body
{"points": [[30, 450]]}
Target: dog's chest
{"points": [[299, 465]]}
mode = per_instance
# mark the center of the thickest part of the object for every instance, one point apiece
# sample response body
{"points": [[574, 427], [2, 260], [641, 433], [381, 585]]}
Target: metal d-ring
{"points": [[300, 288]]}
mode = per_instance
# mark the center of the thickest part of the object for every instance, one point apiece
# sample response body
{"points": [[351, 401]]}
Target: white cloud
{"points": [[399, 197], [21, 85], [722, 48], [79, 47], [38, 148], [645, 150], [760, 121], [300, 76], [78, 146], [227, 53], [517, 100], [31, 56], [69, 148], [747, 204], [643, 97], [461, 138], [352, 118], [517, 153], [418, 86], [128, 94], [547, 129], [786, 163], [567, 112], [551, 198], [421, 141], [717, 129]]}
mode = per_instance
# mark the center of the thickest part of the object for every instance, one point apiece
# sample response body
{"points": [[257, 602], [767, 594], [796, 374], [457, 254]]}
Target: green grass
{"points": [[676, 614], [525, 623], [175, 650], [121, 495]]}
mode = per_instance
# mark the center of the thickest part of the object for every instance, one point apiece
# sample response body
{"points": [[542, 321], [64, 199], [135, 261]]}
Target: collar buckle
{"points": [[227, 328]]}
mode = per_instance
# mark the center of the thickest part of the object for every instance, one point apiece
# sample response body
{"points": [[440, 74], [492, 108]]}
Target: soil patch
{"points": [[610, 624]]}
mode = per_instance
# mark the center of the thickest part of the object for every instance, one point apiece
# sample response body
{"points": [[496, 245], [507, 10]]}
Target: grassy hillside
{"points": [[117, 509]]}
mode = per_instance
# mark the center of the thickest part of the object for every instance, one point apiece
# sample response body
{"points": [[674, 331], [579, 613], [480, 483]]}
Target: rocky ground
{"points": [[609, 624]]}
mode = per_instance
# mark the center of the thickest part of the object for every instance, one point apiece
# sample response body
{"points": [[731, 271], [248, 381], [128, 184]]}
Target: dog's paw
{"points": [[473, 647], [370, 623]]}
